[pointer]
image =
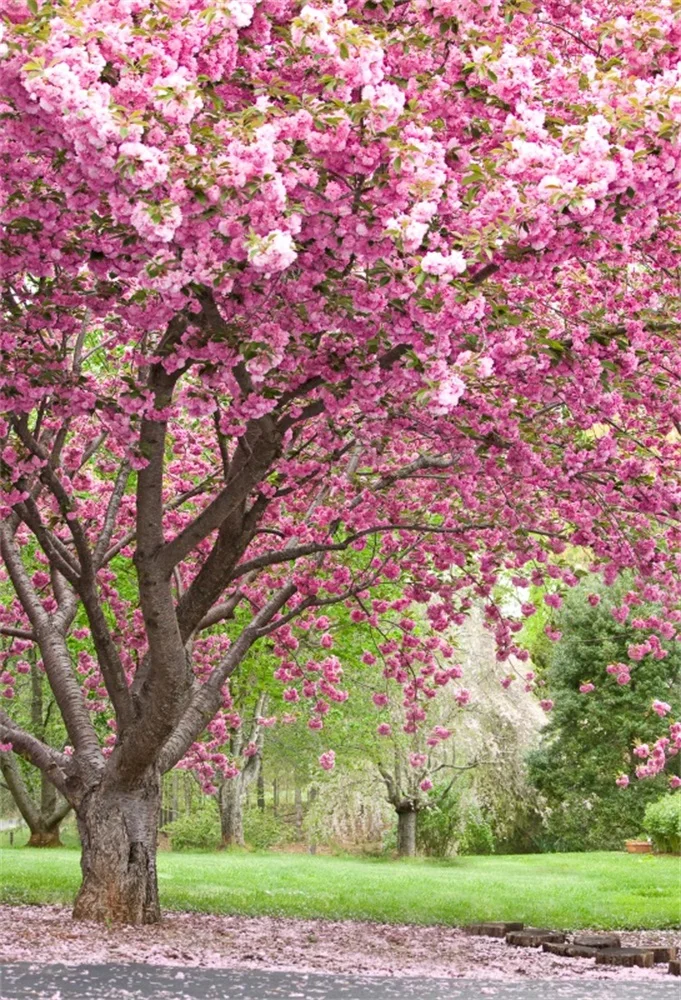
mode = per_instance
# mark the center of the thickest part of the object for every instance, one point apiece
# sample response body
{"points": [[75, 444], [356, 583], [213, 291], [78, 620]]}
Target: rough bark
{"points": [[118, 831], [406, 832]]}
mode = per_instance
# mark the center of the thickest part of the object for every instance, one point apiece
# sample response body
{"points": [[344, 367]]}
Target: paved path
{"points": [[143, 982]]}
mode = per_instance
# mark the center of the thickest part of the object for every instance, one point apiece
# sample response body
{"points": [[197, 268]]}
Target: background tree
{"points": [[36, 798], [593, 733]]}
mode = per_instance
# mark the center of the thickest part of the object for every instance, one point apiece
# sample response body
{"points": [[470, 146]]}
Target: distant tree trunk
{"points": [[275, 796], [261, 789], [298, 800], [232, 792], [406, 831], [405, 803], [176, 796], [230, 801]]}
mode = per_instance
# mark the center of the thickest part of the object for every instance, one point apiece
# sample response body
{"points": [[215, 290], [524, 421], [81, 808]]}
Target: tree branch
{"points": [[206, 701], [16, 633], [18, 789], [55, 654], [113, 506], [56, 766]]}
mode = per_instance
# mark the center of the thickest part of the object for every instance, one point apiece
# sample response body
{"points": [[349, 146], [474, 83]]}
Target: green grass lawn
{"points": [[604, 890]]}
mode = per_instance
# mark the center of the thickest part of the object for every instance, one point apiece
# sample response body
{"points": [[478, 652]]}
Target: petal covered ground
{"points": [[47, 934]]}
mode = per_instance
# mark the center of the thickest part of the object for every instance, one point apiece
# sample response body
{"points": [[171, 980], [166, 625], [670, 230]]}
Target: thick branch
{"points": [[52, 763], [16, 633], [167, 681], [18, 789]]}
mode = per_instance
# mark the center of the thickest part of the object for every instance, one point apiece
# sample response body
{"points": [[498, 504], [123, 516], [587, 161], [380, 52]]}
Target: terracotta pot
{"points": [[638, 846]]}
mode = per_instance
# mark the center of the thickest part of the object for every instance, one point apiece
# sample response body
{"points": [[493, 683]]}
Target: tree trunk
{"points": [[118, 830], [261, 789], [230, 801], [45, 838], [298, 800], [406, 833]]}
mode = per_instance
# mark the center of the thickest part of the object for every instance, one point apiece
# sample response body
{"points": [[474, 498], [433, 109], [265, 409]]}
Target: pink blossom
{"points": [[587, 688], [622, 781], [384, 729], [546, 704], [441, 733], [426, 785], [328, 760], [443, 264], [273, 252], [449, 393], [661, 708]]}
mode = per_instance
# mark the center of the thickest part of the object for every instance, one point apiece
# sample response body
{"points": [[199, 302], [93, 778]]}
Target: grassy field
{"points": [[604, 890]]}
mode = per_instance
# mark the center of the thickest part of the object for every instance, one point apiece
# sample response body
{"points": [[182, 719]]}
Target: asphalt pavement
{"points": [[143, 982]]}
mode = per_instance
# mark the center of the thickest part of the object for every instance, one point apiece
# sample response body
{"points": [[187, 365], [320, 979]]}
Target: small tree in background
{"points": [[245, 747], [593, 732], [34, 795]]}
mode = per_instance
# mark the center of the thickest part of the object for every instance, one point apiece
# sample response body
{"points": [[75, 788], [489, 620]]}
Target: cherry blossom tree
{"points": [[301, 299]]}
